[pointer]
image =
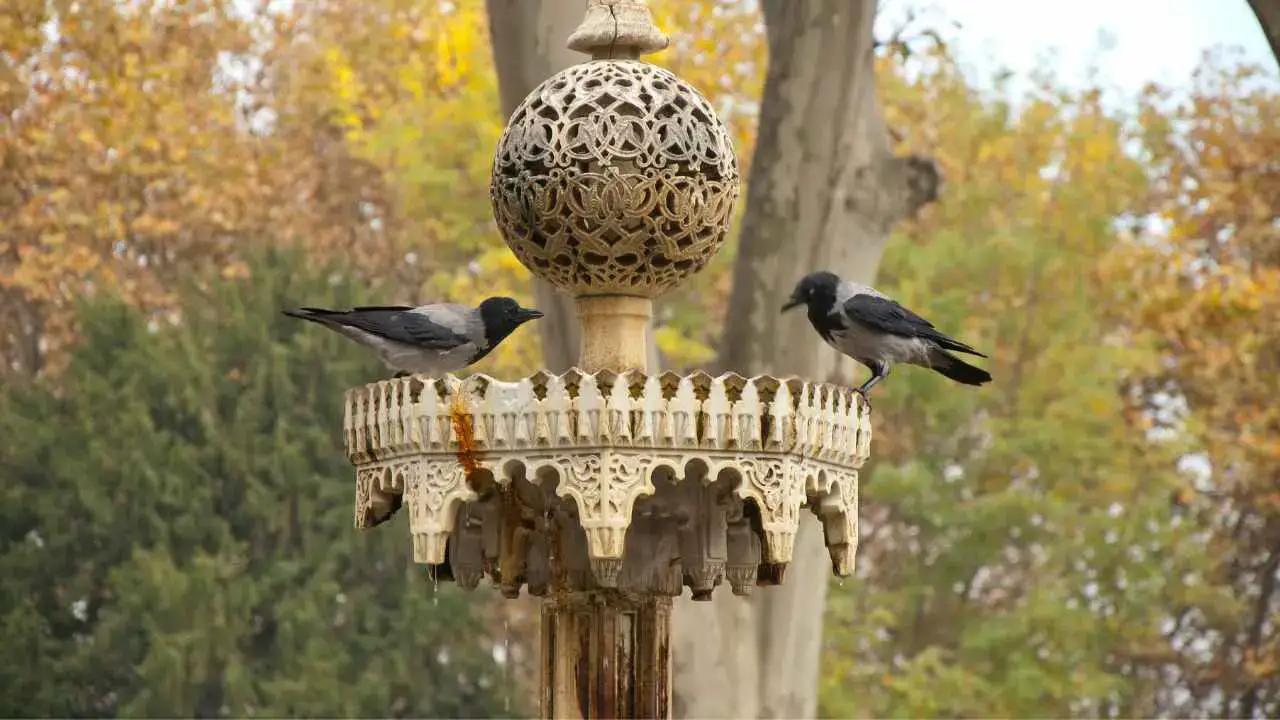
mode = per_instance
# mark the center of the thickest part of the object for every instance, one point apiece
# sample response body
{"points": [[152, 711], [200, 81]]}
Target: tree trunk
{"points": [[825, 190], [1268, 14], [528, 38]]}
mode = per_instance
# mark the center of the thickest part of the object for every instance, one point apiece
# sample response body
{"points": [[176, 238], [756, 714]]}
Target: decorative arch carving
{"points": [[610, 479]]}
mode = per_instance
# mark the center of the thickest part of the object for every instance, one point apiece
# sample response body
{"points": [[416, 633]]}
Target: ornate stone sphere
{"points": [[614, 177]]}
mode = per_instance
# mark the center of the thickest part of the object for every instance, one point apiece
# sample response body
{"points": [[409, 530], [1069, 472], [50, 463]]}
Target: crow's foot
{"points": [[865, 399]]}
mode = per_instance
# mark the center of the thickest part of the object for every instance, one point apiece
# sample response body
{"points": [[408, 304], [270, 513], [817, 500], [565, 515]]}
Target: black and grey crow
{"points": [[432, 339], [861, 322]]}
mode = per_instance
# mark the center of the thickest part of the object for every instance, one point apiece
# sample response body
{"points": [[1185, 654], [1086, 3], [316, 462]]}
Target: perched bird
{"points": [[432, 339], [862, 323]]}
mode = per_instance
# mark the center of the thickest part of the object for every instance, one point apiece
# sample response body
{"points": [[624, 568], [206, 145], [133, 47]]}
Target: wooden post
{"points": [[606, 654]]}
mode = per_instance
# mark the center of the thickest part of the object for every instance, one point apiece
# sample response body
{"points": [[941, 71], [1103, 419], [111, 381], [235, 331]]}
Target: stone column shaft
{"points": [[606, 654]]}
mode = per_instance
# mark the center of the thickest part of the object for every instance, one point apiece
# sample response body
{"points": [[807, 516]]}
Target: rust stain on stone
{"points": [[464, 426]]}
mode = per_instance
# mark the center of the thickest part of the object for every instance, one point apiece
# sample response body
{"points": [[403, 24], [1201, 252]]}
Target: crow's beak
{"points": [[792, 303], [526, 314]]}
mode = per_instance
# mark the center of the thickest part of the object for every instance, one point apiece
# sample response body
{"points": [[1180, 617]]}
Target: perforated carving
{"points": [[649, 482], [614, 177]]}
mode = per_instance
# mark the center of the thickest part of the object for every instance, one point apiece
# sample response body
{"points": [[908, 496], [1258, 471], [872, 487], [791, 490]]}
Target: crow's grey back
{"points": [[461, 319], [847, 289]]}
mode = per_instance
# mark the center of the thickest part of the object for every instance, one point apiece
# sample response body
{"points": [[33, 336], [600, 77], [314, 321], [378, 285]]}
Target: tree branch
{"points": [[1268, 14]]}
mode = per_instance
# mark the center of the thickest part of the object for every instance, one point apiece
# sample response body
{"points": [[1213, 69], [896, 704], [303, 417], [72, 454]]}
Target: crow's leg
{"points": [[879, 371]]}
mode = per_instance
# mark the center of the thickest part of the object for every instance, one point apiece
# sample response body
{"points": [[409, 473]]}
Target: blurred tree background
{"points": [[1097, 533], [172, 524]]}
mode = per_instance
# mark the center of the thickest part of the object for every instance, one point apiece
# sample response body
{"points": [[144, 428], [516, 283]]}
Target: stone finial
{"points": [[617, 29], [615, 181]]}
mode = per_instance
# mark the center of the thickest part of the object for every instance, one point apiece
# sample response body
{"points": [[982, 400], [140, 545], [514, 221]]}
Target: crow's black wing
{"points": [[887, 316], [395, 323]]}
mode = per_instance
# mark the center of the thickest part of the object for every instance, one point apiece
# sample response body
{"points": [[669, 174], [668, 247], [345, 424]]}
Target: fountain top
{"points": [[644, 482]]}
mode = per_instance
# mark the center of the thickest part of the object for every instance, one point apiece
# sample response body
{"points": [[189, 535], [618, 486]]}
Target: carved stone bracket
{"points": [[641, 482]]}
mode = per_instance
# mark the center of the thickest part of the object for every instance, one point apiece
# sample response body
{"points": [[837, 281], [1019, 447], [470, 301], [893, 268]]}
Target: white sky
{"points": [[1130, 41]]}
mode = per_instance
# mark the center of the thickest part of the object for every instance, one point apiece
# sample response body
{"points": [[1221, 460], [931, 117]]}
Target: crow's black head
{"points": [[501, 316], [817, 290]]}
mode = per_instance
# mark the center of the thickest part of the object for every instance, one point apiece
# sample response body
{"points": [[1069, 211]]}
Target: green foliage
{"points": [[177, 527], [1019, 555]]}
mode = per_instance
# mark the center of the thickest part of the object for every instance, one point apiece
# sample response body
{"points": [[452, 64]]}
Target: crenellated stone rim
{"points": [[645, 482], [419, 414]]}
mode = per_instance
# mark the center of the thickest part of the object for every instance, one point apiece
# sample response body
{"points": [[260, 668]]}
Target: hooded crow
{"points": [[432, 339], [861, 322]]}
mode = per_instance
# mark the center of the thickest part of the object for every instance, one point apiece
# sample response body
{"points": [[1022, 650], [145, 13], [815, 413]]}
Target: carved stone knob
{"points": [[614, 178]]}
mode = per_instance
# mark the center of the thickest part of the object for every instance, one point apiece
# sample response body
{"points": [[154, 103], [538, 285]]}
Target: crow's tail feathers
{"points": [[316, 315], [951, 343], [962, 372]]}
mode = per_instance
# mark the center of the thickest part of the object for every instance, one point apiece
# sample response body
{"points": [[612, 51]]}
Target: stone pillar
{"points": [[606, 654], [614, 181]]}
